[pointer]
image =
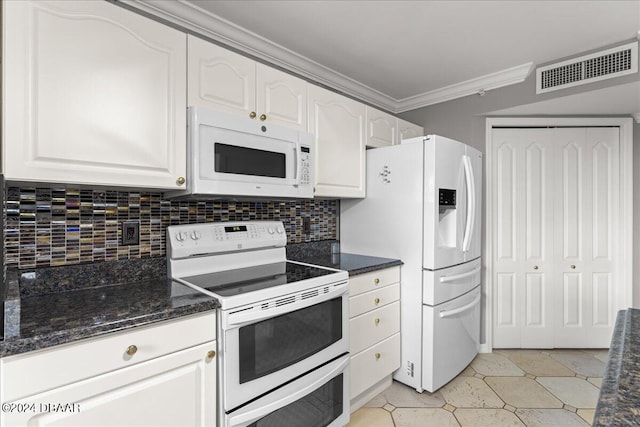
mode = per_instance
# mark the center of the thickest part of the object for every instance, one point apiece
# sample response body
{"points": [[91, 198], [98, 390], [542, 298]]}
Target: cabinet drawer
{"points": [[69, 363], [369, 328], [373, 299], [370, 366], [376, 279]]}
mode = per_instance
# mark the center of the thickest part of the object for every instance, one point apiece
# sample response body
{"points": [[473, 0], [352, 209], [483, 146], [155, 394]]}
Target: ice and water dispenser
{"points": [[447, 224]]}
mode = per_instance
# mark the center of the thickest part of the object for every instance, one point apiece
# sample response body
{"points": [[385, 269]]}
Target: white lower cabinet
{"points": [[374, 333], [168, 379]]}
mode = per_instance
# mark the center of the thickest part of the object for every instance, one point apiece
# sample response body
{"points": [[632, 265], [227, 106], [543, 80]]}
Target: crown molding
{"points": [[195, 20], [478, 86]]}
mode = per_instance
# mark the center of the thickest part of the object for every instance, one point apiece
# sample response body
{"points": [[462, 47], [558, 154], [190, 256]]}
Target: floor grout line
{"points": [[455, 413]]}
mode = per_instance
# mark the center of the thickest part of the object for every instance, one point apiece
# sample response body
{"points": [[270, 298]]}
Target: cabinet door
{"points": [[174, 390], [281, 98], [97, 96], [220, 79], [338, 125], [408, 130], [382, 128]]}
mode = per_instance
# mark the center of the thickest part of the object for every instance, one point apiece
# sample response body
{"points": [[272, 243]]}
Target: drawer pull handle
{"points": [[377, 301], [211, 354], [263, 117], [376, 321], [378, 356], [252, 115], [573, 267], [131, 350], [376, 281]]}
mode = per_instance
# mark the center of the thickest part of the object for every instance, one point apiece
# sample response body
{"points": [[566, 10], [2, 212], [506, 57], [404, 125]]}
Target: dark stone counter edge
{"points": [[368, 269], [12, 347], [618, 400]]}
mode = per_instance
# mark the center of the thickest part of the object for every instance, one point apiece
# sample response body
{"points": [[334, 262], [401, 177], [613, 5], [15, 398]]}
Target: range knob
{"points": [[195, 235], [180, 236], [280, 230], [271, 230]]}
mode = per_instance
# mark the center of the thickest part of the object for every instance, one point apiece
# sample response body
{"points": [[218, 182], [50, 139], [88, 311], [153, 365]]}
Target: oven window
{"points": [[278, 342], [249, 161], [317, 409]]}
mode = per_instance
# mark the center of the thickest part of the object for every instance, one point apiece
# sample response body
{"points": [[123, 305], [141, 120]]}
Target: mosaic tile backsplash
{"points": [[52, 227]]}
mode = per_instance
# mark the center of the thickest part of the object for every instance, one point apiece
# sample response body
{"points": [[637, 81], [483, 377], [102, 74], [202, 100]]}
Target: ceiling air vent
{"points": [[606, 64]]}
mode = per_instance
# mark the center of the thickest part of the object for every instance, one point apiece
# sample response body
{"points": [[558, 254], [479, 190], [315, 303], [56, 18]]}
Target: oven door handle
{"points": [[254, 415], [239, 319]]}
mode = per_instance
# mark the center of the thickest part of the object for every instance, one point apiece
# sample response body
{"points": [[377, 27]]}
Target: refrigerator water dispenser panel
{"points": [[446, 199]]}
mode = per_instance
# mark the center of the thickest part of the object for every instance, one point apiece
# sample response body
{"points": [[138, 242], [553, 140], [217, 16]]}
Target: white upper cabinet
{"points": [[338, 124], [382, 128], [408, 130], [93, 94], [229, 82]]}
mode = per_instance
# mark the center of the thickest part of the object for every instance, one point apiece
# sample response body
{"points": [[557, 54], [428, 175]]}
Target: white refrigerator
{"points": [[423, 206]]}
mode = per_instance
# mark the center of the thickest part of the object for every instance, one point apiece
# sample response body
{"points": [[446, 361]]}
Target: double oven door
{"points": [[277, 355]]}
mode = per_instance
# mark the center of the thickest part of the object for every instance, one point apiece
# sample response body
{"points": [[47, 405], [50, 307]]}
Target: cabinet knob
{"points": [[376, 321], [180, 180], [535, 267], [211, 354], [252, 114], [131, 350], [376, 281], [573, 267], [263, 117], [377, 355], [377, 301]]}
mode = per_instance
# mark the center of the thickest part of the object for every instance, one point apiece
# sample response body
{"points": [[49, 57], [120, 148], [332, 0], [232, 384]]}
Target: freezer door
{"points": [[446, 179], [451, 336], [448, 283]]}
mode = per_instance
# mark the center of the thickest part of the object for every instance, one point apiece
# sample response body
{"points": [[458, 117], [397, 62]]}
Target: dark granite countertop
{"points": [[37, 318], [353, 263], [619, 401], [56, 305]]}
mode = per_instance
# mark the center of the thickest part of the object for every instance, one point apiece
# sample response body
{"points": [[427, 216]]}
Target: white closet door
{"points": [[523, 238], [555, 233], [586, 217]]}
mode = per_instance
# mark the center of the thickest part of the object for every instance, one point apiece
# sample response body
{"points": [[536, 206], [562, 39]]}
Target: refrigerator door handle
{"points": [[449, 313], [471, 203], [445, 279]]}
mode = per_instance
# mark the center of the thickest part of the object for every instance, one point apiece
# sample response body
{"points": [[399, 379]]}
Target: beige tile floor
{"points": [[541, 388]]}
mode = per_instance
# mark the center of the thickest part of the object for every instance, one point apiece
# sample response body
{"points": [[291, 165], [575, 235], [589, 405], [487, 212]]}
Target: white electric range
{"points": [[282, 325]]}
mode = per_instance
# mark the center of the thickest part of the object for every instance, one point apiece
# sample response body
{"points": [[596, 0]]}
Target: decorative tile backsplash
{"points": [[63, 226]]}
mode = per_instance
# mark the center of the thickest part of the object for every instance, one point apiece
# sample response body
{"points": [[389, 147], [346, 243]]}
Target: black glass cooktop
{"points": [[250, 279]]}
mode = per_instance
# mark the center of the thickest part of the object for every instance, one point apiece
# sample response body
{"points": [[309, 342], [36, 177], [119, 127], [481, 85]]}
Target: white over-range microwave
{"points": [[240, 158]]}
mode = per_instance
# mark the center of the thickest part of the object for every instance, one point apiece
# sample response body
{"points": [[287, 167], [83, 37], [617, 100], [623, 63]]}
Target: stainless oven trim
{"points": [[292, 392]]}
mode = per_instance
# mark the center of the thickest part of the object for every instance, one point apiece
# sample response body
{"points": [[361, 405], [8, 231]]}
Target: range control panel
{"points": [[199, 239]]}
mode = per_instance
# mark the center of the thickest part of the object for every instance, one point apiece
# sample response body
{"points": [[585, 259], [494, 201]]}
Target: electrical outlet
{"points": [[130, 233]]}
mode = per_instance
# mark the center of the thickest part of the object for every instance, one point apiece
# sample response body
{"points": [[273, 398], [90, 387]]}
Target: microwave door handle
{"points": [[256, 414]]}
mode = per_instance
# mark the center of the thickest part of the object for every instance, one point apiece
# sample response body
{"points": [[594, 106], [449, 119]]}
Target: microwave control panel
{"points": [[305, 165]]}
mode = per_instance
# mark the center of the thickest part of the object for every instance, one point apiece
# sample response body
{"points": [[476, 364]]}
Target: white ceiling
{"points": [[392, 52]]}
